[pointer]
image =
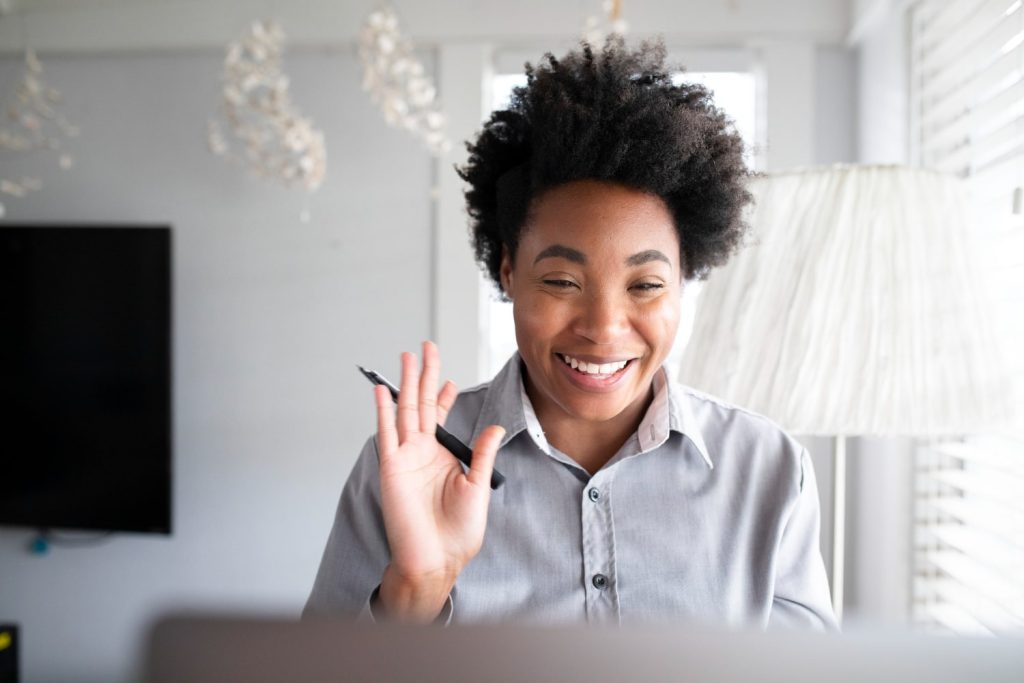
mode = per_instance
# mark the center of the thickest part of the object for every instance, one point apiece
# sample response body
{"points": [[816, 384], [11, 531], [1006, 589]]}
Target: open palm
{"points": [[434, 513]]}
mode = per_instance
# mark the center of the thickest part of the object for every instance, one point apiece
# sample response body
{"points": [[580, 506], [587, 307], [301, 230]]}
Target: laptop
{"points": [[204, 648]]}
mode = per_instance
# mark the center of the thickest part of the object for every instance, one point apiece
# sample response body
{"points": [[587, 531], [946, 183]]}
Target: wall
{"points": [[271, 314], [270, 317], [836, 113], [882, 84], [83, 25]]}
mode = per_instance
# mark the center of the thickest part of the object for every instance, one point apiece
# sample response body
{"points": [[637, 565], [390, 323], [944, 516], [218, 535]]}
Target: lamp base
{"points": [[838, 524]]}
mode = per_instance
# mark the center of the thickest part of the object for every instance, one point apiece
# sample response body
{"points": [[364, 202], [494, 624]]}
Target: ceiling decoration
{"points": [[34, 125], [610, 21], [260, 127], [397, 81]]}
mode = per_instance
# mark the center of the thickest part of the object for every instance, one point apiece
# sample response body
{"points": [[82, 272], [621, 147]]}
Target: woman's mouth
{"points": [[589, 372]]}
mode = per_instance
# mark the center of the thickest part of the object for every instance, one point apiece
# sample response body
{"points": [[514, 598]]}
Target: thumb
{"points": [[485, 450]]}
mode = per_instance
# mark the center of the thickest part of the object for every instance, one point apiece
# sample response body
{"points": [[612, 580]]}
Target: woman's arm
{"points": [[409, 518], [356, 551], [801, 598]]}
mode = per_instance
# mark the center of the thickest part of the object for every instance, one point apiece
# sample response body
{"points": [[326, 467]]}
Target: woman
{"points": [[594, 196]]}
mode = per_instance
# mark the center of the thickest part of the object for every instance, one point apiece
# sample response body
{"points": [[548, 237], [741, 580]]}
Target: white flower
{"points": [[395, 79], [277, 141]]}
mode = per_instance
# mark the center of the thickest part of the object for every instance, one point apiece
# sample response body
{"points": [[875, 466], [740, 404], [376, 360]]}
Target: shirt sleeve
{"points": [[801, 597], [357, 549], [443, 619]]}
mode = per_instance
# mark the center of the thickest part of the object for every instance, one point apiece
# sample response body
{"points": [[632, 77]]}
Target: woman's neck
{"points": [[591, 444]]}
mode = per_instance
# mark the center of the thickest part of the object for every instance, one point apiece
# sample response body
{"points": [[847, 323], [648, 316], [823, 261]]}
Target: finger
{"points": [[445, 401], [408, 412], [387, 438], [428, 387], [485, 450]]}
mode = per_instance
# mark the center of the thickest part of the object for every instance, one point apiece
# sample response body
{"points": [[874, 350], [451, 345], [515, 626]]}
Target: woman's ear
{"points": [[505, 271]]}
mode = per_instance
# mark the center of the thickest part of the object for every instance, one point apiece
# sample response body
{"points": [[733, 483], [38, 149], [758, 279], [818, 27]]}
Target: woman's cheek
{"points": [[662, 315], [530, 321], [541, 313]]}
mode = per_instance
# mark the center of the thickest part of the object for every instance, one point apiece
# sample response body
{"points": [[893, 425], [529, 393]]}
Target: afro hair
{"points": [[618, 118]]}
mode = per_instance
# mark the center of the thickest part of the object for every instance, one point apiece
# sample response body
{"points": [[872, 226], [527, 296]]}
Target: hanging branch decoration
{"points": [[36, 125], [595, 30], [277, 142], [397, 81]]}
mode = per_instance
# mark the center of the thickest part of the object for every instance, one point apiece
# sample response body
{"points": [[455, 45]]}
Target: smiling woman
{"points": [[595, 195], [595, 291]]}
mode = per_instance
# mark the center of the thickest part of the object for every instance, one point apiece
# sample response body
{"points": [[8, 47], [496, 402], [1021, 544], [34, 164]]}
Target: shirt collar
{"points": [[682, 419], [533, 427], [506, 404], [502, 404]]}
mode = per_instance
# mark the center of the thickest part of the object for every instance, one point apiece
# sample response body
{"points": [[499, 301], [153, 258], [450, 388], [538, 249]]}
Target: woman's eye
{"points": [[648, 286], [561, 284]]}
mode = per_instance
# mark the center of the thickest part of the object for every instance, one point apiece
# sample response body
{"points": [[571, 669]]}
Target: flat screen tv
{"points": [[85, 377]]}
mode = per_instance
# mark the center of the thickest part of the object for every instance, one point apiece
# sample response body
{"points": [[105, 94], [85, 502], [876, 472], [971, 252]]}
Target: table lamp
{"points": [[857, 308]]}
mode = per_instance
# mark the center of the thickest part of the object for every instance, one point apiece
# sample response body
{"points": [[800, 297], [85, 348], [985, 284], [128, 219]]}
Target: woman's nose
{"points": [[602, 319]]}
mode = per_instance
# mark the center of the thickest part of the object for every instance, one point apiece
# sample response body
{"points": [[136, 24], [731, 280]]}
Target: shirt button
{"points": [[594, 494], [600, 581]]}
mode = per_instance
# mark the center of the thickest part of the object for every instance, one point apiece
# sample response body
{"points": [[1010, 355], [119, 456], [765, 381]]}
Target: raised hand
{"points": [[434, 513]]}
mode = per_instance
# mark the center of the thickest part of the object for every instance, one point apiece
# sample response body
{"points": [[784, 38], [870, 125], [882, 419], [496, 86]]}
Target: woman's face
{"points": [[596, 283]]}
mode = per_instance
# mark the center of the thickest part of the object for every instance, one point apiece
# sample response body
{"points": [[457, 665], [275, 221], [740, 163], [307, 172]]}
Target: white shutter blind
{"points": [[967, 92]]}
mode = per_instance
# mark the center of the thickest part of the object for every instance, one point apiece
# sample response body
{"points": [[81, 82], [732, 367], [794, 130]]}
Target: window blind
{"points": [[967, 118]]}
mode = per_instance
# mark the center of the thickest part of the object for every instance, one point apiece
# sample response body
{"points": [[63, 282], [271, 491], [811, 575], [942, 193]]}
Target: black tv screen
{"points": [[85, 377]]}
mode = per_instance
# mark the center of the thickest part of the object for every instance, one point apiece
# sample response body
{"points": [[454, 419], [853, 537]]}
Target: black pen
{"points": [[449, 441]]}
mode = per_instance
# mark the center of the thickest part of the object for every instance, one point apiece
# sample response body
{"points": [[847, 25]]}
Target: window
{"points": [[967, 104]]}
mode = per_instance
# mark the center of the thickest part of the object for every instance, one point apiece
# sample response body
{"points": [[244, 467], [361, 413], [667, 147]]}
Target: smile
{"points": [[598, 369]]}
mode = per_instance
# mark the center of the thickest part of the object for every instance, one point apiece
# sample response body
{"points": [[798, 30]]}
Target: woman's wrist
{"points": [[418, 600]]}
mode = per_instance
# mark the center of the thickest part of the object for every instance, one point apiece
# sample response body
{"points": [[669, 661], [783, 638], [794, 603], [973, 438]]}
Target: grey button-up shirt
{"points": [[708, 512]]}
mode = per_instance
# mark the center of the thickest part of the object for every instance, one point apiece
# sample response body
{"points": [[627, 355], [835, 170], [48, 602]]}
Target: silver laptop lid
{"points": [[202, 649]]}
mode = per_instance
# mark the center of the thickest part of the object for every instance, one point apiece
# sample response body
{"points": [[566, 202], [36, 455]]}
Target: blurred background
{"points": [[279, 291]]}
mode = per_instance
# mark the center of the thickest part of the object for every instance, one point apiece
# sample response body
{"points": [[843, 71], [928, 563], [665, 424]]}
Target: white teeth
{"points": [[593, 368]]}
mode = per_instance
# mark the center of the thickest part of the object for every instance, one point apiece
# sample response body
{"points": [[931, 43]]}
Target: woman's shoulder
{"points": [[467, 408], [496, 401], [733, 433], [717, 409]]}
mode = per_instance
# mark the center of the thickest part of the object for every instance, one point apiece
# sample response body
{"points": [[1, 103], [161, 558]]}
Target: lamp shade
{"points": [[858, 307]]}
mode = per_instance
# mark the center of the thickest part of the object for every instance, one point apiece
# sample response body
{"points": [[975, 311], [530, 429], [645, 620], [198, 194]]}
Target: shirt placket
{"points": [[599, 574]]}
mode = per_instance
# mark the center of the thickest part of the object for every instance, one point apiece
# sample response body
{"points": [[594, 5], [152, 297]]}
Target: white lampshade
{"points": [[857, 309]]}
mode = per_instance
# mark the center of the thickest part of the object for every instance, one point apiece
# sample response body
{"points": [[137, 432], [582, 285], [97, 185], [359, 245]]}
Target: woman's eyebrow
{"points": [[562, 251], [645, 256], [576, 256]]}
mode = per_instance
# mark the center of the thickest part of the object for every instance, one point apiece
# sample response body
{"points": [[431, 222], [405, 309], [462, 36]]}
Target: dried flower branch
{"points": [[36, 124], [397, 81], [277, 142], [611, 22]]}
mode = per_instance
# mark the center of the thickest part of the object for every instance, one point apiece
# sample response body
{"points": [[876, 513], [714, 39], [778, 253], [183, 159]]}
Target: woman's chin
{"points": [[596, 399], [597, 413], [590, 398]]}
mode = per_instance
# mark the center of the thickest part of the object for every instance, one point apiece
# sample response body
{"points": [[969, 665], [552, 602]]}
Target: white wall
{"points": [[270, 317], [882, 83], [271, 314], [836, 111], [85, 25]]}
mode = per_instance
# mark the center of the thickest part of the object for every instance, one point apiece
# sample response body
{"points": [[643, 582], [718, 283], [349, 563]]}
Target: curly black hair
{"points": [[616, 118]]}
